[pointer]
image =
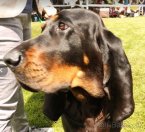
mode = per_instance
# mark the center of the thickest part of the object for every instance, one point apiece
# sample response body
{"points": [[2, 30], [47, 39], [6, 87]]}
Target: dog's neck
{"points": [[94, 112], [89, 115]]}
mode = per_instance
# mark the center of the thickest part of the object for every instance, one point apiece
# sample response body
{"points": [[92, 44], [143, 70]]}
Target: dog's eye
{"points": [[62, 26]]}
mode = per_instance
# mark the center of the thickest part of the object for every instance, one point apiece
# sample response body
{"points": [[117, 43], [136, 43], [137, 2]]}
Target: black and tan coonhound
{"points": [[82, 68]]}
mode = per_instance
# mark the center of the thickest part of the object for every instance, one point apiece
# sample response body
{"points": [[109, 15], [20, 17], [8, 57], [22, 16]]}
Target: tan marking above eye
{"points": [[86, 59], [43, 25], [105, 70], [54, 18]]}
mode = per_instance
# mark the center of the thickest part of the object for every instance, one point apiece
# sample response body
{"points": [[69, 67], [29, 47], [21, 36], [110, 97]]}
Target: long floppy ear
{"points": [[117, 74], [54, 105]]}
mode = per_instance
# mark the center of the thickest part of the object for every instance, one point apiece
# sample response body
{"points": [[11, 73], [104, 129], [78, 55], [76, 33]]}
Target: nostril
{"points": [[13, 61], [13, 58]]}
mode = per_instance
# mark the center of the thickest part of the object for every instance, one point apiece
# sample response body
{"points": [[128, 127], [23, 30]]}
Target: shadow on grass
{"points": [[33, 109]]}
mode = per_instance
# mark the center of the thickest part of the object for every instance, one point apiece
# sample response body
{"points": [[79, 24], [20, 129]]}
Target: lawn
{"points": [[132, 33]]}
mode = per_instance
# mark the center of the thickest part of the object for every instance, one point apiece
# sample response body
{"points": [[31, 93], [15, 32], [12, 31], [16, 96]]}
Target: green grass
{"points": [[132, 33]]}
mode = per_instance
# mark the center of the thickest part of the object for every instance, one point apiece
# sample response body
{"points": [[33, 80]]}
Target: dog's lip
{"points": [[97, 94], [27, 87], [64, 90]]}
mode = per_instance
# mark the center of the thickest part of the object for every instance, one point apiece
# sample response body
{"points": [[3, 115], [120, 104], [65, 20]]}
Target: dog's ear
{"points": [[54, 105], [117, 74]]}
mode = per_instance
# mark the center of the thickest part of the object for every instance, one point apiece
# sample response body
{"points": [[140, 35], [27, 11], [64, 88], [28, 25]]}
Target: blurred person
{"points": [[144, 8], [70, 2], [15, 27], [134, 9]]}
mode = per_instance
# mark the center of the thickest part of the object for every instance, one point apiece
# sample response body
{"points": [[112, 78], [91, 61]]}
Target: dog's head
{"points": [[75, 51]]}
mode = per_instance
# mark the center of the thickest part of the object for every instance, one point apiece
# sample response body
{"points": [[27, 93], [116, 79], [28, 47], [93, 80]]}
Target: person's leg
{"points": [[19, 121], [26, 23], [19, 115], [11, 35]]}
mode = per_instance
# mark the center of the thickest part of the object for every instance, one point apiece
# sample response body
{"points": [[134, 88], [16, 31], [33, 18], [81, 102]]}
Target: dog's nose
{"points": [[13, 58]]}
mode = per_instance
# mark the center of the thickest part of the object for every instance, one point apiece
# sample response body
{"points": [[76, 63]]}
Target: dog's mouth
{"points": [[81, 94], [65, 90], [39, 84], [37, 77], [33, 90], [27, 87]]}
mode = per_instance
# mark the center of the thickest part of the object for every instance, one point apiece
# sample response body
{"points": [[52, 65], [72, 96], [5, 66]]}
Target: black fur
{"points": [[86, 34]]}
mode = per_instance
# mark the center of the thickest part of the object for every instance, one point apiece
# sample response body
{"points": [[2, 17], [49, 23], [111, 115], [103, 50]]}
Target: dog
{"points": [[81, 67]]}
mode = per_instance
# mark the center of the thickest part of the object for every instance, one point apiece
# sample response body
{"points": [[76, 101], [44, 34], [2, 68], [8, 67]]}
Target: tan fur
{"points": [[43, 25], [55, 17], [105, 70], [88, 84], [86, 60]]}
